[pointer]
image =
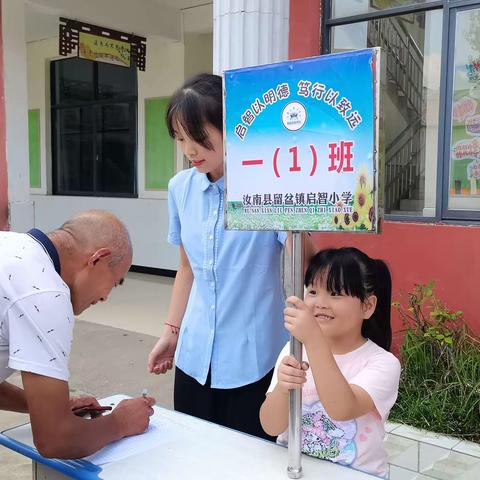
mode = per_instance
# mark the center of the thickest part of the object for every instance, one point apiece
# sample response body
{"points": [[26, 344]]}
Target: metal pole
{"points": [[294, 468]]}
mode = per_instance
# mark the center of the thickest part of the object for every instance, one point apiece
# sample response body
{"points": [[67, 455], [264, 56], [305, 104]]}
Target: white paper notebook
{"points": [[161, 431]]}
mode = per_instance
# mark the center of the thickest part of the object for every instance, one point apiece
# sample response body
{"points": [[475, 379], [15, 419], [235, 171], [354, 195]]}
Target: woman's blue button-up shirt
{"points": [[233, 323]]}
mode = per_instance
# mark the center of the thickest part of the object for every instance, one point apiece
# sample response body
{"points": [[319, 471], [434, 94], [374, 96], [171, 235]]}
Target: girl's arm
{"points": [[274, 411], [161, 357], [341, 400]]}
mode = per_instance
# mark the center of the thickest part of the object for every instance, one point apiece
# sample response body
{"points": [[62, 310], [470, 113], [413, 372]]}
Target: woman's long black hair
{"points": [[196, 103], [351, 272]]}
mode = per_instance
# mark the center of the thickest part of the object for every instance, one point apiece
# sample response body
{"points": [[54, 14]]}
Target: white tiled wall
{"points": [[421, 455], [429, 455], [399, 473], [469, 448], [402, 452]]}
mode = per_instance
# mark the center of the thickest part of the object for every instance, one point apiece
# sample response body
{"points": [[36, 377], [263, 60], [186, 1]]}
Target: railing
{"points": [[404, 66], [404, 62], [404, 165]]}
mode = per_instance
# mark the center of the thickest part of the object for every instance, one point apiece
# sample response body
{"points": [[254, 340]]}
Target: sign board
{"points": [[103, 49], [302, 144]]}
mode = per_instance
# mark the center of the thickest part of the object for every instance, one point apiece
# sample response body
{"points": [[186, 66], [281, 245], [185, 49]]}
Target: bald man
{"points": [[44, 281]]}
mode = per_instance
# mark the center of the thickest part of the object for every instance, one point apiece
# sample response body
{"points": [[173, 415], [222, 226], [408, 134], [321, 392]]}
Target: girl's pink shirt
{"points": [[359, 442]]}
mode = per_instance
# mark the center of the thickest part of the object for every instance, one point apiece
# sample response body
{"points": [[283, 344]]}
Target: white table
{"points": [[202, 450]]}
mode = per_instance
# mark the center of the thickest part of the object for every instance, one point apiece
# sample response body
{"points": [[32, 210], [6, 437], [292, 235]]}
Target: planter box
{"points": [[422, 455]]}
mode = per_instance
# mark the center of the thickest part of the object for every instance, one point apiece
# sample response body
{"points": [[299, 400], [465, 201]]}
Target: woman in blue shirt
{"points": [[224, 325]]}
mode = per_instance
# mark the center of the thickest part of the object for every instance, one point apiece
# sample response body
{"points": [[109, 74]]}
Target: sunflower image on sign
{"points": [[363, 215]]}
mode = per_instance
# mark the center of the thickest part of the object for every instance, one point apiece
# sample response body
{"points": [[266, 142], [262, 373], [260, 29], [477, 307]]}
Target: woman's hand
{"points": [[161, 357]]}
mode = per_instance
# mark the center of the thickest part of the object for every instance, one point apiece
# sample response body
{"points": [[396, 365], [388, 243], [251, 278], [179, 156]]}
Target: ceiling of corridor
{"points": [[164, 18]]}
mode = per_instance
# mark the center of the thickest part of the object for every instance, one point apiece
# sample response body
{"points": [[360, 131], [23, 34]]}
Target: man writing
{"points": [[44, 281]]}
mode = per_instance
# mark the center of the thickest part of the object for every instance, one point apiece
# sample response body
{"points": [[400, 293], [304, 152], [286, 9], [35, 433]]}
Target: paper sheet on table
{"points": [[162, 430]]}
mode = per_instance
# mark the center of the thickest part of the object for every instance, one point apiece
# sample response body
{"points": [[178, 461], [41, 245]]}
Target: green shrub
{"points": [[440, 380]]}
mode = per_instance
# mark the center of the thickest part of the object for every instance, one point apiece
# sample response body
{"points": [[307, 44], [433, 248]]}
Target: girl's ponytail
{"points": [[377, 328]]}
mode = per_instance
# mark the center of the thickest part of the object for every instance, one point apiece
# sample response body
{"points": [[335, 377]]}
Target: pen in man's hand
{"points": [[144, 393], [94, 411]]}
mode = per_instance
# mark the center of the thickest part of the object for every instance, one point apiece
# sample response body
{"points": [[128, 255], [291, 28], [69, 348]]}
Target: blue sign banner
{"points": [[302, 143]]}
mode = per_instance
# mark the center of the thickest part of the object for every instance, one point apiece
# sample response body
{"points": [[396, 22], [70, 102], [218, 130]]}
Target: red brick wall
{"points": [[304, 34]]}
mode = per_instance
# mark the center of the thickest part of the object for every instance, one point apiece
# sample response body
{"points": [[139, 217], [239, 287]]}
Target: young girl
{"points": [[350, 382], [225, 320]]}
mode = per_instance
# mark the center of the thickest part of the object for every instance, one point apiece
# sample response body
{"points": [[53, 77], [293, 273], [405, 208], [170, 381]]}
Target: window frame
{"points": [[131, 100], [450, 7], [450, 214]]}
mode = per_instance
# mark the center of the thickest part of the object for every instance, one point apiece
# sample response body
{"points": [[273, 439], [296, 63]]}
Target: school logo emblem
{"points": [[294, 116]]}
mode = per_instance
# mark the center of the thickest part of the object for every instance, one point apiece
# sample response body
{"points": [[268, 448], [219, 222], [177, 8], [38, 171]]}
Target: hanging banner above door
{"points": [[101, 49], [101, 44], [302, 144]]}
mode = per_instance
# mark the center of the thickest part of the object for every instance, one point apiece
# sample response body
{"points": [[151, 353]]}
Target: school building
{"points": [[431, 53], [78, 134]]}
